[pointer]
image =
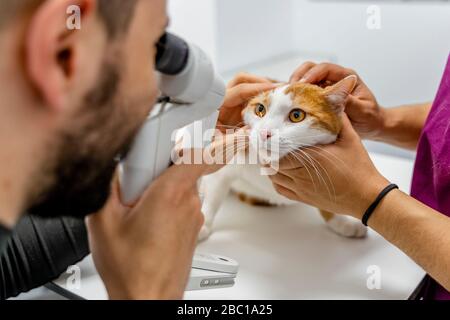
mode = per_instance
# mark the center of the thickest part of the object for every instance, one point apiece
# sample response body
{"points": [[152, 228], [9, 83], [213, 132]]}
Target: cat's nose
{"points": [[265, 134]]}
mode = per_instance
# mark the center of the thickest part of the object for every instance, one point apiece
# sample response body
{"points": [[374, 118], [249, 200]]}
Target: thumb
{"points": [[112, 211], [347, 131], [353, 107]]}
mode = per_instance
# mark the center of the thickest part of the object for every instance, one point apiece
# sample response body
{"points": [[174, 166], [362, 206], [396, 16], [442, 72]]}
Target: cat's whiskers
{"points": [[301, 159], [327, 175], [314, 135], [234, 149], [231, 147], [321, 149], [318, 172], [328, 152]]}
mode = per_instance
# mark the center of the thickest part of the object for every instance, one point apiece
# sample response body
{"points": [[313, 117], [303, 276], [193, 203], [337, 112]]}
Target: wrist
{"points": [[367, 195], [130, 288], [392, 128], [379, 215], [385, 124], [136, 294]]}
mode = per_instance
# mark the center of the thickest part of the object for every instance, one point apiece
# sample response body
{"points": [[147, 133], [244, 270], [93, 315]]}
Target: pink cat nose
{"points": [[265, 134]]}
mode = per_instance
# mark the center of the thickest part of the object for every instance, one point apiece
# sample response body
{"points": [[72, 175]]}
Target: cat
{"points": [[297, 115]]}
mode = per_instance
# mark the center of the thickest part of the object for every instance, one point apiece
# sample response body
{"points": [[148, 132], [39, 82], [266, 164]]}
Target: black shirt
{"points": [[5, 233], [37, 251]]}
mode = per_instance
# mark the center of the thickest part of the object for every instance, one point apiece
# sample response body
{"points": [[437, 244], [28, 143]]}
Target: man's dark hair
{"points": [[116, 14]]}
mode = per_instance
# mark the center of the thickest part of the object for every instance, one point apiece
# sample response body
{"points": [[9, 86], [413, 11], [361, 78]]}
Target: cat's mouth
{"points": [[268, 151]]}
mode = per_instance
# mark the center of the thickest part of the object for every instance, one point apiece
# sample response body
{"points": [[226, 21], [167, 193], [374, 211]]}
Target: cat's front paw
{"points": [[204, 234], [347, 227]]}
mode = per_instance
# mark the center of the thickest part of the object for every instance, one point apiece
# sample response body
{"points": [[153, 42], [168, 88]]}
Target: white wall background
{"points": [[196, 20], [402, 62], [235, 32], [252, 31]]}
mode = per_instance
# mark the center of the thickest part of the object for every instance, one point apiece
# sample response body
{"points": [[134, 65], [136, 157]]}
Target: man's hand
{"points": [[367, 117], [239, 91], [145, 252], [349, 183]]}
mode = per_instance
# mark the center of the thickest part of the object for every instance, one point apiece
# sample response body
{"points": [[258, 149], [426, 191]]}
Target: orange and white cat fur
{"points": [[297, 115]]}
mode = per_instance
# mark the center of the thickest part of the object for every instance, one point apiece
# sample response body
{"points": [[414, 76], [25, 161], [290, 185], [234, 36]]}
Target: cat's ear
{"points": [[337, 94]]}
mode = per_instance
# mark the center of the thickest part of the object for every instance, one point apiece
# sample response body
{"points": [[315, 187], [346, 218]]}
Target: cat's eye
{"points": [[297, 115], [260, 110]]}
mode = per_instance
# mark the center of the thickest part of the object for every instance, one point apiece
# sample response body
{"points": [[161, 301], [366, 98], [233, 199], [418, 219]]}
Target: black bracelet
{"points": [[380, 197]]}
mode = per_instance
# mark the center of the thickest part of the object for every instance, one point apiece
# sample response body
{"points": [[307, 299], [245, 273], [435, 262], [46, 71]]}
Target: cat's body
{"points": [[298, 115]]}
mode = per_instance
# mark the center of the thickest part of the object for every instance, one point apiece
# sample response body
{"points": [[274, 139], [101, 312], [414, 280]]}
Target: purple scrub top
{"points": [[431, 180]]}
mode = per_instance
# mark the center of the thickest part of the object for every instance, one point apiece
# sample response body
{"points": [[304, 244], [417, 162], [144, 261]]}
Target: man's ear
{"points": [[50, 48], [337, 94]]}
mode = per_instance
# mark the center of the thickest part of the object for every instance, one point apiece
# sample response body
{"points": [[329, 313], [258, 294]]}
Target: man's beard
{"points": [[85, 164]]}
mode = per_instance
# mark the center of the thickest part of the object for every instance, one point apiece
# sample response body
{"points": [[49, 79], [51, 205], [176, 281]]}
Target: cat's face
{"points": [[295, 116]]}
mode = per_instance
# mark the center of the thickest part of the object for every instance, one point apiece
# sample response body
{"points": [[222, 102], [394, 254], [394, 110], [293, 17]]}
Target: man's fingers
{"points": [[301, 71], [194, 163], [241, 93], [224, 148], [247, 78]]}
